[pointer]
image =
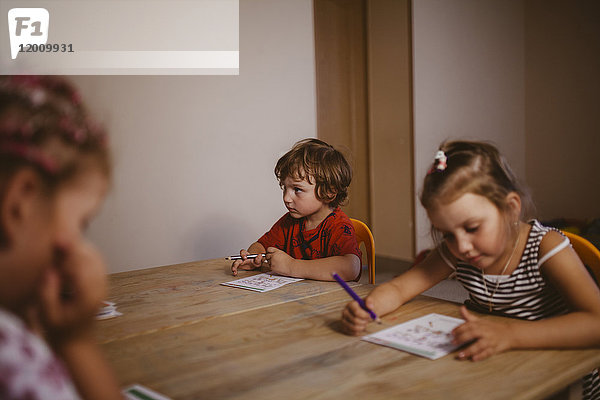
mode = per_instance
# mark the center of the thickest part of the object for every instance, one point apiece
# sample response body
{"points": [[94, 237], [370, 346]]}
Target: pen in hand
{"points": [[356, 297], [249, 256]]}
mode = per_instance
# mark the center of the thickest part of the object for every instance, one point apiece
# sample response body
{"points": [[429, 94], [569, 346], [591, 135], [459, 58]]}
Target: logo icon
{"points": [[27, 26]]}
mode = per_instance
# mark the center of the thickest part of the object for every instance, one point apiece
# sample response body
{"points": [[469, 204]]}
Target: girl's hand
{"points": [[488, 337], [355, 319], [246, 264], [279, 261], [72, 291]]}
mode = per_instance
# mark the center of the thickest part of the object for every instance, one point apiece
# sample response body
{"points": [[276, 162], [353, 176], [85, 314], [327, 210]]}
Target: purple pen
{"points": [[356, 297]]}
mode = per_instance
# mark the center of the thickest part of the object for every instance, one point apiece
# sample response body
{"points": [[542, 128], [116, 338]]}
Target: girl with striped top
{"points": [[510, 267]]}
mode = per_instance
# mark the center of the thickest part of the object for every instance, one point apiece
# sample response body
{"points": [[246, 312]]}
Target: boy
{"points": [[315, 238]]}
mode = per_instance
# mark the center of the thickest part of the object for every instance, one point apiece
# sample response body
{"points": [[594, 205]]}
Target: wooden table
{"points": [[184, 335]]}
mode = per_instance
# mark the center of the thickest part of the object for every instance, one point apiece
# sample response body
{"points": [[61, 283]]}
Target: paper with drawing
{"points": [[262, 282], [428, 336]]}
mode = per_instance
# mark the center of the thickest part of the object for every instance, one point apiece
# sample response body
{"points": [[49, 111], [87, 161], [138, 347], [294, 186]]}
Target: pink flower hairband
{"points": [[440, 162], [42, 91]]}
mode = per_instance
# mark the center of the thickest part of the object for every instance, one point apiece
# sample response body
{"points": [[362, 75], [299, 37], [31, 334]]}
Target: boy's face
{"points": [[300, 199]]}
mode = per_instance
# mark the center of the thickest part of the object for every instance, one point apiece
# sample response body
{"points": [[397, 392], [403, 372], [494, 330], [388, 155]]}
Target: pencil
{"points": [[356, 297], [248, 256]]}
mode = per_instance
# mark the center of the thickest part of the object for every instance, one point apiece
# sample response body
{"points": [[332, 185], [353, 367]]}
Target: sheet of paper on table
{"points": [[262, 282], [108, 310], [139, 392], [428, 336]]}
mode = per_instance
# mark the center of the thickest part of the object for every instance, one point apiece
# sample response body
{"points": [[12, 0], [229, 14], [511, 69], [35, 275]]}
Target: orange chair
{"points": [[588, 253], [364, 235]]}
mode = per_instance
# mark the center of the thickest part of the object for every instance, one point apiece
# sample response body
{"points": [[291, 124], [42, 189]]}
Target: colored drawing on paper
{"points": [[262, 282], [428, 336]]}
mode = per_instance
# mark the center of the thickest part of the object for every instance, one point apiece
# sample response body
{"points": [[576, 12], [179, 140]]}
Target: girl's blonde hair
{"points": [[318, 163], [44, 126], [473, 167]]}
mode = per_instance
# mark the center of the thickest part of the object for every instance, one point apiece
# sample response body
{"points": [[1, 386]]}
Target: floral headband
{"points": [[53, 104], [439, 163]]}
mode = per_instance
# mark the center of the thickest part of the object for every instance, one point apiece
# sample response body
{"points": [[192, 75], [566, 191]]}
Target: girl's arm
{"points": [[346, 266], [579, 328], [391, 295]]}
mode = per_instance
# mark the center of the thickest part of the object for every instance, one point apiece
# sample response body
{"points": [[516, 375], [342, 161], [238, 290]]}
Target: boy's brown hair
{"points": [[317, 162]]}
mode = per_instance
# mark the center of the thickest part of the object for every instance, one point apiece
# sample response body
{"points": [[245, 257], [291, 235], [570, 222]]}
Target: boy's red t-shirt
{"points": [[333, 237]]}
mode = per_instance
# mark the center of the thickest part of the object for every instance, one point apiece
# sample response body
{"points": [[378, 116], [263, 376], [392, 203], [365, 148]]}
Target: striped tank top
{"points": [[523, 294]]}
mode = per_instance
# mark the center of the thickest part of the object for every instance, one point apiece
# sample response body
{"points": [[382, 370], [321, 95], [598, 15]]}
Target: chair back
{"points": [[588, 253], [364, 235]]}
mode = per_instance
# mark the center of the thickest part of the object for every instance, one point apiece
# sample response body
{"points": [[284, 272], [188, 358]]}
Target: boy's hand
{"points": [[488, 337], [355, 319], [246, 264], [279, 261], [72, 291]]}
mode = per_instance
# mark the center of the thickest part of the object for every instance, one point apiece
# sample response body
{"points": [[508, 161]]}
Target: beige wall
{"points": [[468, 81], [390, 127], [488, 69], [563, 106], [194, 155]]}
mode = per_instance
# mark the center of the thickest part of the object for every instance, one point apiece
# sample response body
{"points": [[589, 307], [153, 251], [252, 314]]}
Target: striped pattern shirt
{"points": [[523, 294]]}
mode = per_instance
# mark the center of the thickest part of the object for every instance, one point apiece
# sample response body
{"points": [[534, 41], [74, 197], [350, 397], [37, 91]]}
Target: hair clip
{"points": [[439, 163], [440, 158]]}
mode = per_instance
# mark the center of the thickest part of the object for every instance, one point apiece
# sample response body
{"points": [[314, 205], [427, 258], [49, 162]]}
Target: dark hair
{"points": [[473, 167], [44, 126], [313, 159]]}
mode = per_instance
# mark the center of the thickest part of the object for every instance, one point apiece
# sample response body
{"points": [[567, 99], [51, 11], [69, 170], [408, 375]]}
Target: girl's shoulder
{"points": [[11, 327], [31, 367], [541, 233], [547, 240], [538, 227]]}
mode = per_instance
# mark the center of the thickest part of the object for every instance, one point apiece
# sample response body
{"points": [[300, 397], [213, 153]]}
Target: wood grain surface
{"points": [[235, 344], [157, 298]]}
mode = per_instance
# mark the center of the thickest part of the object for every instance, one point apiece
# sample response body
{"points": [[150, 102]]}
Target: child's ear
{"points": [[327, 197], [513, 202], [21, 195]]}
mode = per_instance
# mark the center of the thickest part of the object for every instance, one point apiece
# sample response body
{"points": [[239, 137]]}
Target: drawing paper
{"points": [[262, 282], [428, 336], [139, 392]]}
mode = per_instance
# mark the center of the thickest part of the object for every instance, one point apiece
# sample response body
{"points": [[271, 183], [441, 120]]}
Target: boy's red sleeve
{"points": [[274, 237], [343, 239]]}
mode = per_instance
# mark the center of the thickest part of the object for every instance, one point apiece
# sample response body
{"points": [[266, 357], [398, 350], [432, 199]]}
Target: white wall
{"points": [[468, 81], [194, 155]]}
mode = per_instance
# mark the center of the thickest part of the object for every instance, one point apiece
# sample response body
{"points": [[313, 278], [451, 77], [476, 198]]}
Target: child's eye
{"points": [[472, 229], [297, 190]]}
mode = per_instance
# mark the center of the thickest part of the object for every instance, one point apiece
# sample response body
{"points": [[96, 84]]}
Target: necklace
{"points": [[490, 298]]}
